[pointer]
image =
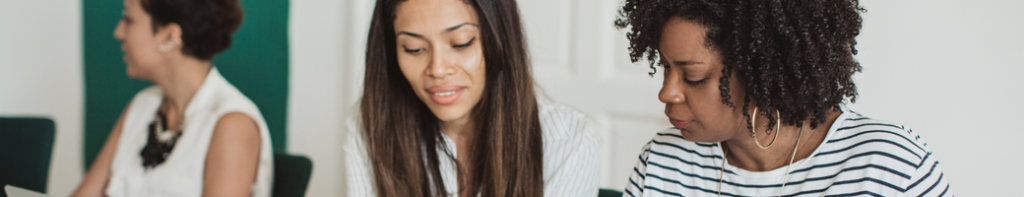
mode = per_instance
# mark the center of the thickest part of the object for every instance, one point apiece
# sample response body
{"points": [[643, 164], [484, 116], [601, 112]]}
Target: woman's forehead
{"points": [[430, 17]]}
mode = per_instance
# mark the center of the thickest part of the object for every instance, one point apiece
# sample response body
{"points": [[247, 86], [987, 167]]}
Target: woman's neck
{"points": [[462, 131], [181, 82], [744, 153]]}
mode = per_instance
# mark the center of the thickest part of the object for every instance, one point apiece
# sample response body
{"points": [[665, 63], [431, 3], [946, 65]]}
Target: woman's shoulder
{"points": [[222, 97], [353, 128], [559, 121], [858, 128], [357, 166], [227, 95], [858, 136], [353, 138]]}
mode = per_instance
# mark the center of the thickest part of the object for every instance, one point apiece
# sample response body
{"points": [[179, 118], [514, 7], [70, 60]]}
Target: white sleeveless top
{"points": [[182, 173]]}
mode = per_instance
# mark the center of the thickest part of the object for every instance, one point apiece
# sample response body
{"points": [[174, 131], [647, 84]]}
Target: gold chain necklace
{"points": [[784, 180]]}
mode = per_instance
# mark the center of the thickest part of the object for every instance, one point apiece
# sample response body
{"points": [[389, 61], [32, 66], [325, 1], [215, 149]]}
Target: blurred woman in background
{"points": [[449, 109], [192, 133]]}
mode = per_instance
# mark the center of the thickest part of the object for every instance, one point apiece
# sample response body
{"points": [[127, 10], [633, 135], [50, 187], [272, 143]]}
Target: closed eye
{"points": [[464, 45], [124, 17], [687, 81], [695, 83], [413, 51]]}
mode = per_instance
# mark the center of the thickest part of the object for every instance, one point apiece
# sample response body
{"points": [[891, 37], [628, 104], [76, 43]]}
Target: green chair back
{"points": [[25, 148], [609, 193], [256, 63], [291, 175]]}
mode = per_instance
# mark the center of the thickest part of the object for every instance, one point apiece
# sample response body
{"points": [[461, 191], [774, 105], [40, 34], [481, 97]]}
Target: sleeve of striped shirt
{"points": [[574, 162], [928, 179], [357, 170], [635, 187]]}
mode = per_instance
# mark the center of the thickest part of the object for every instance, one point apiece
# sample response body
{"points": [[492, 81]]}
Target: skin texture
{"points": [[155, 56], [691, 93], [233, 157], [438, 44]]}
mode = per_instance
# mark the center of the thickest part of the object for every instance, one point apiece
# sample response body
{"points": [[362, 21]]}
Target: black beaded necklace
{"points": [[160, 141]]}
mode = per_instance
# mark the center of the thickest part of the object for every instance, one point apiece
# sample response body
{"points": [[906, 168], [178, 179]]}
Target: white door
{"points": [[579, 59]]}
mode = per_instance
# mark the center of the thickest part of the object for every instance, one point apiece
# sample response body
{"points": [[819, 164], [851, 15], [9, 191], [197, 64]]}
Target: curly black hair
{"points": [[207, 26], [795, 56]]}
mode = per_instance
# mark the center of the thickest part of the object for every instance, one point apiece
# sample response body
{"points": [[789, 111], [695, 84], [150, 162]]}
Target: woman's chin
{"points": [[449, 113], [134, 73], [137, 74], [695, 136]]}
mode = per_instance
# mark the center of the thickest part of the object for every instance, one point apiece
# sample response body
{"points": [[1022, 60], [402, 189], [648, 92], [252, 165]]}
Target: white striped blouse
{"points": [[860, 157], [571, 156]]}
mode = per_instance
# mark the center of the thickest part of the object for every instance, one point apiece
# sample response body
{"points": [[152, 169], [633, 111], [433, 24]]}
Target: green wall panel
{"points": [[256, 63]]}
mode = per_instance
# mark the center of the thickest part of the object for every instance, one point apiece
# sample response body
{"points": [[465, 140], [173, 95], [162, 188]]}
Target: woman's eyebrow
{"points": [[685, 62], [448, 30], [409, 34], [453, 28]]}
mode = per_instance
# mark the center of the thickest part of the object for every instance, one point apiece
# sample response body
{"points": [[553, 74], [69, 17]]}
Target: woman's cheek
{"points": [[408, 64], [474, 60]]}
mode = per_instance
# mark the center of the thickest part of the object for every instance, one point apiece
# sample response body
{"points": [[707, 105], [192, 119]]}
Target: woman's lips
{"points": [[677, 123], [445, 94]]}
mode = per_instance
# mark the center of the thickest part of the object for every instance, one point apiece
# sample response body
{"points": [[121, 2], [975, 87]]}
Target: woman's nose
{"points": [[440, 66], [671, 92], [118, 31]]}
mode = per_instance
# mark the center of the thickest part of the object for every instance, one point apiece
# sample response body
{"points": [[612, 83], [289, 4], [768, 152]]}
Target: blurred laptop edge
{"points": [[15, 191]]}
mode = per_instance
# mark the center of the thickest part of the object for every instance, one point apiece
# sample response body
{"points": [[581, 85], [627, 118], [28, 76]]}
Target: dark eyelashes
{"points": [[470, 42], [694, 83], [458, 46], [124, 17], [691, 83], [407, 50]]}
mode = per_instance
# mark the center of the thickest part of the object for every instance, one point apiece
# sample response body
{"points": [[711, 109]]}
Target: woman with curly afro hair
{"points": [[756, 92]]}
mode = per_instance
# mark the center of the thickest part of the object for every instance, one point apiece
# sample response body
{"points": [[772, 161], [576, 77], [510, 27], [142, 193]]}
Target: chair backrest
{"points": [[609, 193], [25, 148], [291, 174]]}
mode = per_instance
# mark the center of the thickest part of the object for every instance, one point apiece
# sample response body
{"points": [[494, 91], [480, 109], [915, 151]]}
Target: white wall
{"points": [[326, 38], [950, 71], [41, 75]]}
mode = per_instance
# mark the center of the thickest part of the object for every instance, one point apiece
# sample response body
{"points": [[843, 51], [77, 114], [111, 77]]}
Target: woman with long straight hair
{"points": [[449, 109]]}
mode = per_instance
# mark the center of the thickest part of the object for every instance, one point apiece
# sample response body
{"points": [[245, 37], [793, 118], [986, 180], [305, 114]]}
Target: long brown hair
{"points": [[506, 157]]}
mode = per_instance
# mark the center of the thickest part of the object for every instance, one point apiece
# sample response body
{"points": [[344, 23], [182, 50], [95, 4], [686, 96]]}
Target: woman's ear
{"points": [[169, 37]]}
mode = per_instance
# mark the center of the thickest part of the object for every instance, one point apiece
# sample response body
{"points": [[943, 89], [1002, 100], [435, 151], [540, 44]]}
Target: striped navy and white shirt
{"points": [[860, 157], [571, 155]]}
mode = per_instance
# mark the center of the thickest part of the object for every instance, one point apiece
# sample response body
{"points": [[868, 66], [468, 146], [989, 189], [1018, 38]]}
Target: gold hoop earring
{"points": [[753, 120]]}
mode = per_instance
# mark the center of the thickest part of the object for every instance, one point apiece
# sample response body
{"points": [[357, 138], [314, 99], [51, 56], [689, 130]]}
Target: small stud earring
{"points": [[166, 47]]}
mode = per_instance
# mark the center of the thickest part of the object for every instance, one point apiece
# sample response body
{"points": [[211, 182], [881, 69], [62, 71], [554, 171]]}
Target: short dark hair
{"points": [[206, 25], [795, 56]]}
